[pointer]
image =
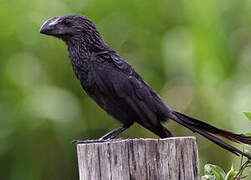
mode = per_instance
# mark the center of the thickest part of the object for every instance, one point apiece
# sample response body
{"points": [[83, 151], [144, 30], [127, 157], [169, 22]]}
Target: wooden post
{"points": [[144, 159]]}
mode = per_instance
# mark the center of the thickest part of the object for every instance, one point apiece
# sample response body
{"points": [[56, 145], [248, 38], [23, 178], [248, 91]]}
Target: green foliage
{"points": [[247, 114], [248, 134], [213, 172], [231, 174]]}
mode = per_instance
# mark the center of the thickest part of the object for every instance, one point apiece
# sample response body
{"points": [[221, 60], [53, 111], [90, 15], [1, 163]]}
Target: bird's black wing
{"points": [[117, 78]]}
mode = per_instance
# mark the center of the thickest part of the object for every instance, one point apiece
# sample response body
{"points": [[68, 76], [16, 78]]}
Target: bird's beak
{"points": [[49, 26]]}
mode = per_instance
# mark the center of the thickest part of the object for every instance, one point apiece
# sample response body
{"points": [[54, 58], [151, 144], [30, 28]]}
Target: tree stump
{"points": [[144, 159]]}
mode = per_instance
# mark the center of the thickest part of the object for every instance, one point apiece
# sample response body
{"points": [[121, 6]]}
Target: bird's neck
{"points": [[80, 47], [80, 52]]}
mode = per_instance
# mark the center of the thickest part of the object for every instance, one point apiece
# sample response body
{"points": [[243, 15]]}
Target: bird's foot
{"points": [[100, 140], [88, 141]]}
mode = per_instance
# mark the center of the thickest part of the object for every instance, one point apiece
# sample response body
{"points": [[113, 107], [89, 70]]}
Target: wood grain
{"points": [[144, 159]]}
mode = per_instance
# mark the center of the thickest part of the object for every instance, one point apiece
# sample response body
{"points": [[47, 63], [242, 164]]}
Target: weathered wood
{"points": [[144, 159]]}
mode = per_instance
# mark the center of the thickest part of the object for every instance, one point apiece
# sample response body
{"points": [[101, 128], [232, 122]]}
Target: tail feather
{"points": [[208, 131]]}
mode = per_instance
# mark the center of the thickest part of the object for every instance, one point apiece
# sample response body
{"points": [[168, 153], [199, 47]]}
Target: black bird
{"points": [[117, 88]]}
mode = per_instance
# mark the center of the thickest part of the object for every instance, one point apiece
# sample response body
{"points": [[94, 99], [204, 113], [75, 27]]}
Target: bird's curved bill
{"points": [[49, 27]]}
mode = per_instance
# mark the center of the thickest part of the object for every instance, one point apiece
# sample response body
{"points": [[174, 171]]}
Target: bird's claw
{"points": [[88, 141]]}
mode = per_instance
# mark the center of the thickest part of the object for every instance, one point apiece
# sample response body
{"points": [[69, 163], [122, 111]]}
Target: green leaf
{"points": [[231, 173], [248, 134], [247, 114], [215, 171]]}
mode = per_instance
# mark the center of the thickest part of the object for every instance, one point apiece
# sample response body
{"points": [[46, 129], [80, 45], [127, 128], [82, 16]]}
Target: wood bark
{"points": [[144, 159]]}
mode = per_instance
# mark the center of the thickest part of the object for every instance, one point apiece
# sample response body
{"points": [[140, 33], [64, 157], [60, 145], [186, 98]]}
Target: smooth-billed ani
{"points": [[117, 88]]}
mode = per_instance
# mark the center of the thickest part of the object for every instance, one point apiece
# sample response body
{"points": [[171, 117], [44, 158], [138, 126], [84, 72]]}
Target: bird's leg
{"points": [[114, 133], [168, 133], [107, 137]]}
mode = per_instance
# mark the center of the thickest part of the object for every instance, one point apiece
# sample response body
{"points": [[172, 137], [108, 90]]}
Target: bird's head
{"points": [[71, 27]]}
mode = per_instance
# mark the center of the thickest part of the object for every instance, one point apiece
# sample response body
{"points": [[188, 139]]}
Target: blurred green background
{"points": [[195, 54]]}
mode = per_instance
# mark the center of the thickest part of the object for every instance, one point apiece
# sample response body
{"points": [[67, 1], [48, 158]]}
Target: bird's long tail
{"points": [[210, 132]]}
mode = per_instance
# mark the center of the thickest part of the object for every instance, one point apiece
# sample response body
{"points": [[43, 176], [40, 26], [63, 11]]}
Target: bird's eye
{"points": [[67, 22]]}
